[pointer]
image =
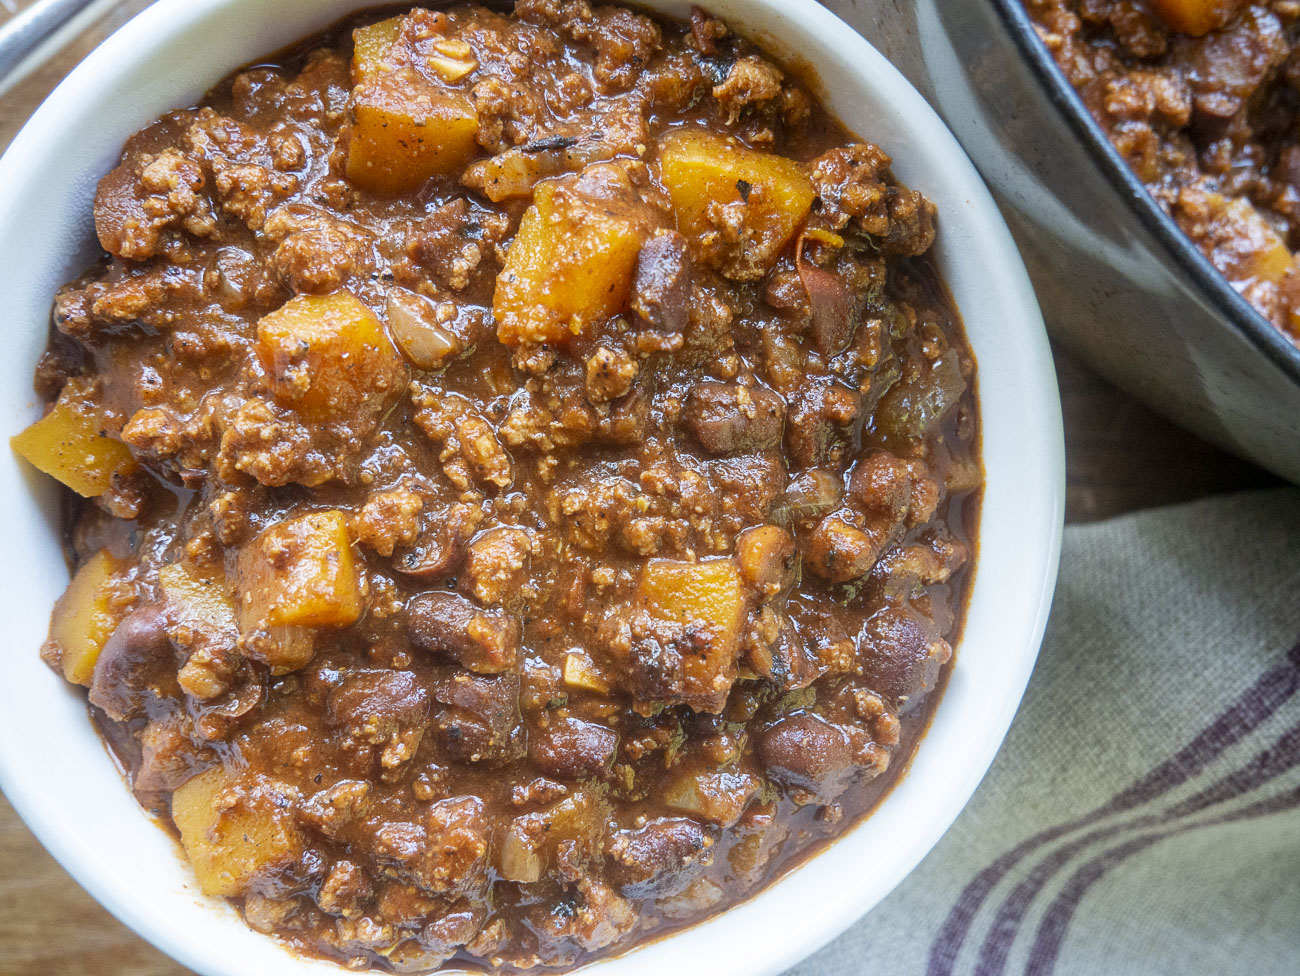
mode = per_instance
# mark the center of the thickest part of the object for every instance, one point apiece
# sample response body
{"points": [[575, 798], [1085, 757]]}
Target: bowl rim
{"points": [[1244, 317], [1034, 489]]}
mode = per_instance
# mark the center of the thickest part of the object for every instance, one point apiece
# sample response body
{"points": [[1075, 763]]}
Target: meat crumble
{"points": [[526, 477], [1201, 98]]}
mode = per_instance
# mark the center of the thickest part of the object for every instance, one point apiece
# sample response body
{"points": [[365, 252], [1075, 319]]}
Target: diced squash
{"points": [[707, 592], [530, 844], [298, 574], [69, 443], [1268, 257], [200, 602], [370, 46], [1196, 17], [404, 132], [705, 601], [84, 617], [570, 267], [451, 58], [1237, 238], [328, 357], [301, 572], [702, 170], [235, 839], [581, 674]]}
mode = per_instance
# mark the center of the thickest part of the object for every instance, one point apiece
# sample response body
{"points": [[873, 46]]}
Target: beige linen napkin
{"points": [[1143, 816]]}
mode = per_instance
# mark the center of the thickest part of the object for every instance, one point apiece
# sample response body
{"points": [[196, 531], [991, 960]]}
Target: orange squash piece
{"points": [[297, 575], [703, 170], [707, 600], [370, 47], [84, 617], [71, 444], [1196, 17], [404, 132], [570, 267], [230, 842], [328, 356]]}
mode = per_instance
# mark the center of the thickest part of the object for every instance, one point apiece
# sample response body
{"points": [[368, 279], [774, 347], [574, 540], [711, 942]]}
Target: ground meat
{"points": [[855, 191], [345, 891], [751, 81], [535, 474], [496, 565], [316, 253], [1204, 119], [444, 855], [450, 242], [610, 374], [268, 443], [332, 810], [470, 450], [389, 519], [146, 195]]}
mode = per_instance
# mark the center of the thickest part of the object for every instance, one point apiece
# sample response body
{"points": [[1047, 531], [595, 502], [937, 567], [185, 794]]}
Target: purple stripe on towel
{"points": [[1279, 758], [1056, 921], [1243, 716]]}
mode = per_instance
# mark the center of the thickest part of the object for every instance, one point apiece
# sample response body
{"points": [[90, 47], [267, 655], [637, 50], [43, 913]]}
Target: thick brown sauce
{"points": [[1201, 99], [167, 363]]}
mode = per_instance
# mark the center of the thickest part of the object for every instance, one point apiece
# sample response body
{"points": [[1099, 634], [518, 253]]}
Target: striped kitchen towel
{"points": [[1143, 816]]}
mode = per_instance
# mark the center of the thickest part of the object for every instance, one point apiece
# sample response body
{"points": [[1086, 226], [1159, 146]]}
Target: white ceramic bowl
{"points": [[52, 765]]}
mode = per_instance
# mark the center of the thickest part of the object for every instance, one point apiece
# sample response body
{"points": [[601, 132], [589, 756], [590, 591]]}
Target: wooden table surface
{"points": [[1120, 457]]}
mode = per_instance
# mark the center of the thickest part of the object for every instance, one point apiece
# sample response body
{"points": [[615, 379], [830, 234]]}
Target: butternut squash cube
{"points": [[232, 840], [1196, 17], [570, 267], [705, 603], [707, 175], [71, 444], [370, 47], [404, 132], [1238, 240], [1266, 258], [708, 592], [300, 573], [296, 576], [329, 357], [200, 602], [84, 617]]}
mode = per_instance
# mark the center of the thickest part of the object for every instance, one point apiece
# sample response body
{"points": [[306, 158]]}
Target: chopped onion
{"points": [[425, 343]]}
